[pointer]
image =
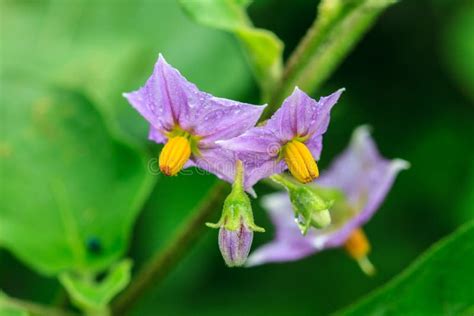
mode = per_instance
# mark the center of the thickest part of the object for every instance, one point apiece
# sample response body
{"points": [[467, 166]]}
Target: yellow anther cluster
{"points": [[300, 161], [357, 245], [174, 155]]}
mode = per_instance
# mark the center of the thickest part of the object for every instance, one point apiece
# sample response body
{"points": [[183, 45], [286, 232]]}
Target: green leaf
{"points": [[222, 14], [437, 283], [12, 311], [73, 189], [459, 47], [104, 51], [92, 295], [7, 309], [263, 49]]}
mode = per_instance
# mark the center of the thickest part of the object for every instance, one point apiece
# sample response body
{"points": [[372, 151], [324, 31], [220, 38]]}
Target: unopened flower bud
{"points": [[235, 245], [311, 210], [236, 225], [311, 207]]}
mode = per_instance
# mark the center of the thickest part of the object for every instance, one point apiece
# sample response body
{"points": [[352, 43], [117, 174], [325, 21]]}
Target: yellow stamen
{"points": [[300, 161], [358, 247], [174, 155]]}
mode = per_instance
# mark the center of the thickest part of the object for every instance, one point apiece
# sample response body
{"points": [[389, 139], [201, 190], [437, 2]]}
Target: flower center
{"points": [[300, 161], [174, 155], [358, 247]]}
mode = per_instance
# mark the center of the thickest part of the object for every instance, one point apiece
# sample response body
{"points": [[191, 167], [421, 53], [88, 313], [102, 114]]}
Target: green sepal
{"points": [[237, 209], [193, 139], [307, 204]]}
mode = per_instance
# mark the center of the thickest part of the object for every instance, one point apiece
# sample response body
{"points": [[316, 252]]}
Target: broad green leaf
{"points": [[96, 295], [263, 49], [222, 14], [438, 283], [72, 190]]}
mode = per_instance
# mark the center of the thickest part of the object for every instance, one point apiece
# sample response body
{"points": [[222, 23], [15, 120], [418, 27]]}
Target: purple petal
{"points": [[364, 176], [301, 116], [165, 98], [256, 140], [279, 251], [168, 100], [258, 149], [235, 245], [220, 119], [259, 166], [289, 244], [361, 173], [218, 161], [156, 136], [323, 109], [315, 146]]}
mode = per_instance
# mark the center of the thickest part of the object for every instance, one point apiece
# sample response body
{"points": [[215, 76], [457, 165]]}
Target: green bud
{"points": [[236, 225], [311, 210]]}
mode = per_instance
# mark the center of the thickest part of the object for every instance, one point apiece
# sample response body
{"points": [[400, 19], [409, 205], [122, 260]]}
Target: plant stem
{"points": [[33, 308], [338, 28], [158, 267]]}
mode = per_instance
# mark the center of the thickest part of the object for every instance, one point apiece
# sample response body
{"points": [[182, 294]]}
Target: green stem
{"points": [[341, 24], [33, 308], [155, 270], [283, 181], [238, 185]]}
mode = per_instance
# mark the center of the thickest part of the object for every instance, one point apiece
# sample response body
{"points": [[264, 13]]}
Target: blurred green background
{"points": [[411, 78]]}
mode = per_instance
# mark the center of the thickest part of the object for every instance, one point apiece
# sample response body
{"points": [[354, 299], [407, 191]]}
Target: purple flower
{"points": [[291, 138], [364, 178], [189, 122]]}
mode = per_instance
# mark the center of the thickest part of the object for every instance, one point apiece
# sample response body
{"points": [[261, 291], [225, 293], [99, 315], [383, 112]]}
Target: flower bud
{"points": [[236, 225], [311, 207], [235, 245], [311, 210]]}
